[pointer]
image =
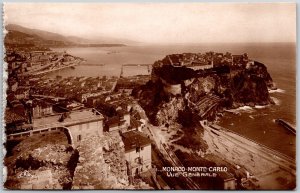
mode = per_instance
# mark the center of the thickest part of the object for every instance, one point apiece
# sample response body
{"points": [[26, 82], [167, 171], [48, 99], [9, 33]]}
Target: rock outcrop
{"points": [[40, 162], [175, 88], [101, 164]]}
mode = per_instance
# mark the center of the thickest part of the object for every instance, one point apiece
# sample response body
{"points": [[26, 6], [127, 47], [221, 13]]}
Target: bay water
{"points": [[256, 123]]}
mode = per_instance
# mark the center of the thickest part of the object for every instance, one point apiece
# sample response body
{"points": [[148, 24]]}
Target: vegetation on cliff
{"points": [[228, 86], [202, 94]]}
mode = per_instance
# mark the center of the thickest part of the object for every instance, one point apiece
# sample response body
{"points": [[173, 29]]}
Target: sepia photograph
{"points": [[149, 96]]}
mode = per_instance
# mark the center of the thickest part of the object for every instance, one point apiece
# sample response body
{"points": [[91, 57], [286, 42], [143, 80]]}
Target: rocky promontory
{"points": [[202, 85]]}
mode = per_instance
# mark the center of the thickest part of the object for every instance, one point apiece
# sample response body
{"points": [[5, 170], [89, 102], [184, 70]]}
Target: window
{"points": [[138, 160], [79, 138]]}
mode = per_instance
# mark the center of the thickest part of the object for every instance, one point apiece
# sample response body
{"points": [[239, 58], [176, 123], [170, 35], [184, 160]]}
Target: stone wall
{"points": [[101, 164]]}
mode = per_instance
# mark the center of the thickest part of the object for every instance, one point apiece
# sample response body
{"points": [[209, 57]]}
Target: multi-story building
{"points": [[137, 152], [81, 124]]}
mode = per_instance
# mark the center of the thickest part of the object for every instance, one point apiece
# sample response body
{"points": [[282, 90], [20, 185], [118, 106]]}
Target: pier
{"points": [[286, 125], [55, 69], [135, 65]]}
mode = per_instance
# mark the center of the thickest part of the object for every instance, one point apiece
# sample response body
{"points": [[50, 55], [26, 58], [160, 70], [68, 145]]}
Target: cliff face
{"points": [[168, 111], [226, 86], [249, 90], [249, 86], [101, 164]]}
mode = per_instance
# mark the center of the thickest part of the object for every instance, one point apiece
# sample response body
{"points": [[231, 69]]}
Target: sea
{"points": [[257, 123]]}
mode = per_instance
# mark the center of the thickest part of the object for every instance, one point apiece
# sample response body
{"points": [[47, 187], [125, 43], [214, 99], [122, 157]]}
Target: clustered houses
{"points": [[122, 118], [27, 63], [189, 64], [126, 84], [75, 88], [117, 116], [206, 60], [80, 106], [56, 95], [14, 122], [40, 108], [84, 105]]}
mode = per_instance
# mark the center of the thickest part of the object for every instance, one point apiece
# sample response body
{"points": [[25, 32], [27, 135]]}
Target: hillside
{"points": [[16, 33], [35, 32], [23, 39]]}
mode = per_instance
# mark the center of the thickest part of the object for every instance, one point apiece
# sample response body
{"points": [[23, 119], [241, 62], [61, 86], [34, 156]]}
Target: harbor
{"points": [[55, 69]]}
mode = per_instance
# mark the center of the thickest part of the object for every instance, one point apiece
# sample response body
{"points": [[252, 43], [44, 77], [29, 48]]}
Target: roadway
{"points": [[171, 157]]}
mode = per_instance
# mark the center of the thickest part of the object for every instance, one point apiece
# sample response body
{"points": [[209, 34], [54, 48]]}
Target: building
{"points": [[135, 125], [22, 93], [81, 123], [41, 108], [82, 97], [137, 152], [14, 122], [94, 100], [124, 116], [226, 181], [113, 124], [240, 60], [19, 108]]}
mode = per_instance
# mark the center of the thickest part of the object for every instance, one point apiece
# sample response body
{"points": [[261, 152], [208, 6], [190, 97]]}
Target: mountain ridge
{"points": [[69, 40]]}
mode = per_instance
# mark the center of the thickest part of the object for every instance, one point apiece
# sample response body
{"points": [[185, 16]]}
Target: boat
{"points": [[112, 52]]}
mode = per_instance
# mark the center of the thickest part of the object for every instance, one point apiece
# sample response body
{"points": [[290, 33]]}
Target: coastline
{"points": [[261, 161], [55, 69], [247, 156]]}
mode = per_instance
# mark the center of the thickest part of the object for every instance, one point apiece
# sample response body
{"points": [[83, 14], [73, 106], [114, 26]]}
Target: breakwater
{"points": [[286, 125]]}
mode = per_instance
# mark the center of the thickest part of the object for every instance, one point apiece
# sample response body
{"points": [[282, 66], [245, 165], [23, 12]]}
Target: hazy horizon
{"points": [[161, 23]]}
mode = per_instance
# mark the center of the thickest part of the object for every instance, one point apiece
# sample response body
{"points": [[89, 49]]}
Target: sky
{"points": [[161, 22]]}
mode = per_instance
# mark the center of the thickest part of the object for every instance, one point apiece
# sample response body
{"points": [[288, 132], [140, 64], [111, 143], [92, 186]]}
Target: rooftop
{"points": [[11, 116], [226, 176], [74, 117], [135, 123], [134, 139], [113, 121]]}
